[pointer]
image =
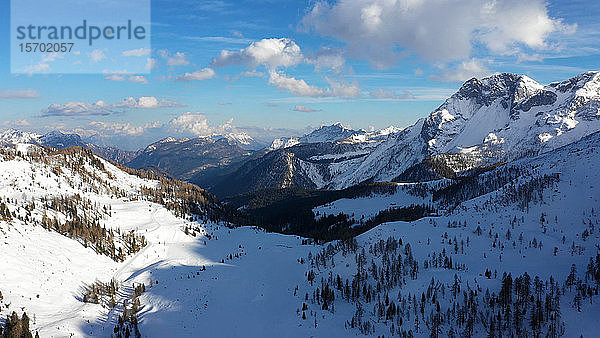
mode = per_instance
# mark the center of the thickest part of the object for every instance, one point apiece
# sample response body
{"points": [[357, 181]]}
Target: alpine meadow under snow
{"points": [[482, 219]]}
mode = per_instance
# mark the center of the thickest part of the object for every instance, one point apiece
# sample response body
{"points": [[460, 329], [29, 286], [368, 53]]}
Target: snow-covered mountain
{"points": [[329, 133], [70, 220], [13, 136], [500, 118], [90, 248], [58, 139], [186, 157]]}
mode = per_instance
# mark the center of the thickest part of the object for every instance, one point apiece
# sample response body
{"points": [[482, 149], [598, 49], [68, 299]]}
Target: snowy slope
{"points": [[513, 239], [203, 278]]}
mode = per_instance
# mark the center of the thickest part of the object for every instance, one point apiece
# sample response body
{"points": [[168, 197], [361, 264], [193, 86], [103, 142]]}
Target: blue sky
{"points": [[290, 65]]}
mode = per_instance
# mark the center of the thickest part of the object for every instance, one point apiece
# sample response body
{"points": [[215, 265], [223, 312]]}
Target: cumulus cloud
{"points": [[299, 87], [107, 130], [295, 86], [463, 71], [197, 124], [118, 128], [383, 31], [199, 75], [19, 94], [276, 54], [273, 53], [305, 109], [383, 93]]}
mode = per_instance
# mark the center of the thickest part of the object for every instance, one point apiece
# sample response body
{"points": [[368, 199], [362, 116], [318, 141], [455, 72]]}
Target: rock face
{"points": [[499, 118]]}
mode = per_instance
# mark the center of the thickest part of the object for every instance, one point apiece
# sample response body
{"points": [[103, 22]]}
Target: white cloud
{"points": [[295, 86], [199, 75], [305, 109], [383, 93], [383, 31], [299, 87], [137, 79], [273, 53], [137, 52], [97, 55], [103, 108], [76, 109], [197, 124], [178, 59], [327, 59], [19, 94], [118, 128], [343, 89], [463, 71], [145, 102]]}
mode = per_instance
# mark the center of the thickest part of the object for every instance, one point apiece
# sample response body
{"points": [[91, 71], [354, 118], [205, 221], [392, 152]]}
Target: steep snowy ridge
{"points": [[500, 118]]}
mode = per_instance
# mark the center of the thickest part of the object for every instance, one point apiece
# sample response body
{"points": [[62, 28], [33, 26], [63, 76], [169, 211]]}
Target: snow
{"points": [[254, 294], [202, 290]]}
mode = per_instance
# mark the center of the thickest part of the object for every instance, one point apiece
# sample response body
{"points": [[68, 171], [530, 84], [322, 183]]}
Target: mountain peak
{"points": [[329, 133]]}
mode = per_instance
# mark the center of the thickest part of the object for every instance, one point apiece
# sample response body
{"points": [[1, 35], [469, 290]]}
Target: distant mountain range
{"points": [[492, 232], [500, 118], [57, 139], [183, 158], [496, 119]]}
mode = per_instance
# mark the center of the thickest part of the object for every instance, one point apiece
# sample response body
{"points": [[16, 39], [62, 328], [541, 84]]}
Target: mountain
{"points": [[59, 140], [496, 119], [92, 248], [184, 158], [13, 136], [332, 133]]}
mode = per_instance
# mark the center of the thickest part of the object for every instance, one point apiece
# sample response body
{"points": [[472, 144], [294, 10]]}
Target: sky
{"points": [[273, 68]]}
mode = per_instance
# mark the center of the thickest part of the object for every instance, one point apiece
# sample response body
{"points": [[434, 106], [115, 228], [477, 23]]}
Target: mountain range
{"points": [[487, 121], [496, 119], [481, 219]]}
